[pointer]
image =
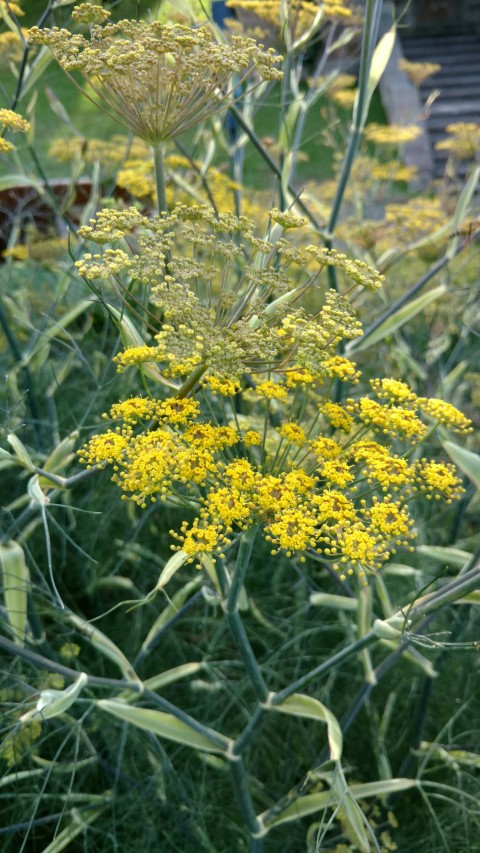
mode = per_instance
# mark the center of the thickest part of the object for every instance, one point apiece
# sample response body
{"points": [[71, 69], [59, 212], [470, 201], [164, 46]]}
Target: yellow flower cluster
{"points": [[294, 19], [391, 134], [158, 80], [463, 140], [11, 48], [11, 7], [312, 494], [219, 294], [393, 170], [10, 120], [420, 215], [109, 153], [418, 72]]}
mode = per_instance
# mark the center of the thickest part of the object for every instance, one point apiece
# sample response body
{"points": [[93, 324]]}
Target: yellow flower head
{"points": [[107, 447], [293, 433], [337, 416], [158, 80], [391, 134], [418, 72], [271, 390], [445, 414]]}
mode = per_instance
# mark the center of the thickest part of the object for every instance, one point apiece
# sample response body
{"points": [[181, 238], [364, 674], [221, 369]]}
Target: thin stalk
{"points": [[159, 170], [325, 667], [30, 383], [257, 143], [370, 31]]}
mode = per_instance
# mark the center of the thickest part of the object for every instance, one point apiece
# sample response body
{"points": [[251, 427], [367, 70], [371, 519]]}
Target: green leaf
{"points": [[380, 60], [288, 125], [35, 493], [299, 705], [462, 207], [397, 320], [171, 568], [311, 803], [352, 813], [172, 608], [467, 461], [52, 703], [165, 725], [78, 824], [16, 580], [62, 455], [105, 646], [338, 602], [9, 181], [451, 556], [21, 452]]}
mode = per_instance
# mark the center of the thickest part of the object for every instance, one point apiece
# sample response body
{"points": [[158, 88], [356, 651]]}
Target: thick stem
{"points": [[244, 800], [191, 381], [159, 171], [233, 616], [250, 731], [241, 566]]}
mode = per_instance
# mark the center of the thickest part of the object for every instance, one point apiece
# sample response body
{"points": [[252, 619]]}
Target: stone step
{"points": [[436, 125], [444, 55], [456, 107], [423, 43], [451, 86]]}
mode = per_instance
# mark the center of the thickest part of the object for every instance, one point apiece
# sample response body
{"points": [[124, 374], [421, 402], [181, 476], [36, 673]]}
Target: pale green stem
{"points": [[284, 97], [159, 171]]}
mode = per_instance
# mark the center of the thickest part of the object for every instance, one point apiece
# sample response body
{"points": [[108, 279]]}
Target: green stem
{"points": [[191, 381], [244, 799], [257, 144], [284, 98], [370, 30], [42, 662], [246, 738], [248, 657], [241, 566], [233, 616], [159, 171]]}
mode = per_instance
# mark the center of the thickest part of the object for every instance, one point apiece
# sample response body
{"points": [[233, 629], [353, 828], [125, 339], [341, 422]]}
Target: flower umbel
{"points": [[158, 80]]}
